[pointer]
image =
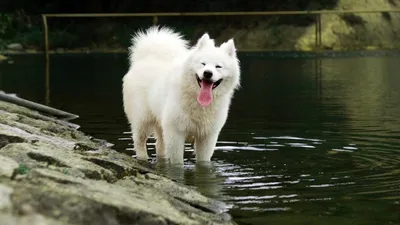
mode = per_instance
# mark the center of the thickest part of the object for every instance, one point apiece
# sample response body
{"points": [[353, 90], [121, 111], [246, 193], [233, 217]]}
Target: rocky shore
{"points": [[51, 173]]}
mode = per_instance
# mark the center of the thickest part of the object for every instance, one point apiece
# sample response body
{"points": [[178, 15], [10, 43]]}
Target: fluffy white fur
{"points": [[160, 92]]}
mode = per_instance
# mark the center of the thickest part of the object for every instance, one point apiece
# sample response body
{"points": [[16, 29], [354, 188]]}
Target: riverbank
{"points": [[339, 32], [5, 53], [51, 173]]}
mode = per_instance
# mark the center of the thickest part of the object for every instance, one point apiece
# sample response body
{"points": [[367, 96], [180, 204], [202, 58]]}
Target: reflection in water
{"points": [[307, 141], [204, 177]]}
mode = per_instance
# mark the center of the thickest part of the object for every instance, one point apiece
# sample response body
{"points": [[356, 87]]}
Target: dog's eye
{"points": [[218, 66], [203, 64]]}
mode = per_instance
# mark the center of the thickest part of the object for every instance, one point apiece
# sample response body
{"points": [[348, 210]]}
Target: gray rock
{"points": [[5, 198], [15, 46], [51, 173], [7, 165]]}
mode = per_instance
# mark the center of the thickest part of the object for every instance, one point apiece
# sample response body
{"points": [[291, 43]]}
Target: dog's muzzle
{"points": [[208, 80]]}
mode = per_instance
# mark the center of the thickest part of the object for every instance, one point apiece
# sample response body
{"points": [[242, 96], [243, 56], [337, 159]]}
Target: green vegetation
{"points": [[115, 33], [29, 32], [20, 22], [20, 170], [5, 29]]}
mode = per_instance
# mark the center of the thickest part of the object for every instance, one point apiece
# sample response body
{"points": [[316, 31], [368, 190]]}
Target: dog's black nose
{"points": [[207, 74]]}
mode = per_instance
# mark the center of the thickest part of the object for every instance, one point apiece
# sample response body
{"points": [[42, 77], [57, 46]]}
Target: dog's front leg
{"points": [[174, 145], [204, 147]]}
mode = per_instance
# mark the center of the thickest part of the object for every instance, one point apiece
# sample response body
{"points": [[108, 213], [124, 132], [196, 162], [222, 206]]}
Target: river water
{"points": [[309, 140]]}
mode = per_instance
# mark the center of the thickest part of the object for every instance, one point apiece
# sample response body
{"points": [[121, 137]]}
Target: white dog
{"points": [[177, 91]]}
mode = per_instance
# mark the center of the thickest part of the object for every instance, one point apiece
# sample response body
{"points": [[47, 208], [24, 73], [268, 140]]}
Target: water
{"points": [[309, 140]]}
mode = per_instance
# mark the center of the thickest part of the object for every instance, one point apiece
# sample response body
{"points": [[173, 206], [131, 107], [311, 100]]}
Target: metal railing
{"points": [[316, 13]]}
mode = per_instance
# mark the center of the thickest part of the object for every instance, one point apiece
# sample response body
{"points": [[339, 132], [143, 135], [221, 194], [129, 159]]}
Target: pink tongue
{"points": [[205, 96]]}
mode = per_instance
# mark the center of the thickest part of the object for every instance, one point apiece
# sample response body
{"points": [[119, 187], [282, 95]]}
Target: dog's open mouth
{"points": [[208, 81], [207, 86]]}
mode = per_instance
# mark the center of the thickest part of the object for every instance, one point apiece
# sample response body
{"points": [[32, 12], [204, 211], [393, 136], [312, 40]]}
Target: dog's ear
{"points": [[229, 47], [205, 40]]}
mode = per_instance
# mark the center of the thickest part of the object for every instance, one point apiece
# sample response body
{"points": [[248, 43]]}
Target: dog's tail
{"points": [[157, 42]]}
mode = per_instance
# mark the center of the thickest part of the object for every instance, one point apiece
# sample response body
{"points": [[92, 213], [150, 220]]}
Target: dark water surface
{"points": [[308, 140]]}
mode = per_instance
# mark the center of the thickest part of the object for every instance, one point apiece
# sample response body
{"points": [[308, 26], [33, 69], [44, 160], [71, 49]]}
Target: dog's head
{"points": [[215, 70]]}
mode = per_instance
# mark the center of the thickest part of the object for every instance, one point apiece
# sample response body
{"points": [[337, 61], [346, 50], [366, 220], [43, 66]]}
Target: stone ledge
{"points": [[51, 173]]}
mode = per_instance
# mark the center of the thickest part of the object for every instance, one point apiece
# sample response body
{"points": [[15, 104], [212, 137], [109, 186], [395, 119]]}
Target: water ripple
{"points": [[312, 172]]}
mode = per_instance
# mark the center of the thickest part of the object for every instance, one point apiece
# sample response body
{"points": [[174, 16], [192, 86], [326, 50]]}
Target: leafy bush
{"points": [[6, 29]]}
